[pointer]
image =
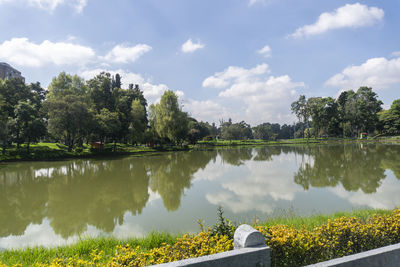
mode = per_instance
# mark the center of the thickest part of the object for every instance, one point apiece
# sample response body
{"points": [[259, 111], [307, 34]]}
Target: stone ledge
{"points": [[388, 256], [255, 256]]}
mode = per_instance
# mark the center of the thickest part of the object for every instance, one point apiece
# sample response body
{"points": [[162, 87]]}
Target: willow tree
{"points": [[170, 121]]}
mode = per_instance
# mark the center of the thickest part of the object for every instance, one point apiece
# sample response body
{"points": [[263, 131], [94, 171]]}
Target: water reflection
{"points": [[75, 194], [72, 197]]}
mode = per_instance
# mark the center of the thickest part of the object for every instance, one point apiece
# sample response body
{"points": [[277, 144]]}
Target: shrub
{"points": [[185, 247], [337, 238], [223, 226]]}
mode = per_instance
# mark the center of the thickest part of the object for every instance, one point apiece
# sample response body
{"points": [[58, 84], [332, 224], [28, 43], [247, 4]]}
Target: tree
{"points": [[139, 121], [368, 106], [13, 90], [236, 131], [390, 119], [3, 122], [170, 121], [108, 125], [30, 126], [324, 115], [101, 91], [267, 131], [68, 109], [197, 130], [301, 110]]}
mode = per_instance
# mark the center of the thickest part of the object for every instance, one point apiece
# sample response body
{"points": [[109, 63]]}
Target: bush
{"points": [[223, 226], [337, 238], [185, 247]]}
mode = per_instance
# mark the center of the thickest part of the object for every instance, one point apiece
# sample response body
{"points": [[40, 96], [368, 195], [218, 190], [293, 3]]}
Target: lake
{"points": [[57, 202]]}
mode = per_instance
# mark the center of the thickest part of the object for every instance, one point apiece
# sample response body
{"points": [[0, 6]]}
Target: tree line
{"points": [[349, 115], [73, 111]]}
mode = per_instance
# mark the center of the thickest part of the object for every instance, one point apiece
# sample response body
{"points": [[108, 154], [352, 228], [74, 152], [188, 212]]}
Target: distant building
{"points": [[8, 72]]}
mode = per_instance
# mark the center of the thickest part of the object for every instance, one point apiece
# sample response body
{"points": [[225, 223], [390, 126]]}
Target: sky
{"points": [[241, 59]]}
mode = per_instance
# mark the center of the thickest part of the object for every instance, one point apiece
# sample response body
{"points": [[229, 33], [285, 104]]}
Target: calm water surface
{"points": [[53, 203]]}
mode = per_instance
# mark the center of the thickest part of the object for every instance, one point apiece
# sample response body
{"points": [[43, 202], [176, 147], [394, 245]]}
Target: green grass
{"points": [[82, 249], [57, 151], [310, 222]]}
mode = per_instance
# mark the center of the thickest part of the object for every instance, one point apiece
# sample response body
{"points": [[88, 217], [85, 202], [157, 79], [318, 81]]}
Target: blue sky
{"points": [[244, 59]]}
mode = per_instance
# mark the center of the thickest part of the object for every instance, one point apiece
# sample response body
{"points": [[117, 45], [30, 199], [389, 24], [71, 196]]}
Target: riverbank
{"points": [[163, 247], [56, 151]]}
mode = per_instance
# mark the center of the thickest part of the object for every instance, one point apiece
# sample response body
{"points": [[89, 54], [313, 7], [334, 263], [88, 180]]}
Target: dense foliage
{"points": [[74, 112], [351, 114]]}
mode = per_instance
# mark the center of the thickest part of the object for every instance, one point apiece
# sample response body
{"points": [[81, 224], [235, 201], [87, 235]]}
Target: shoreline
{"points": [[49, 152]]}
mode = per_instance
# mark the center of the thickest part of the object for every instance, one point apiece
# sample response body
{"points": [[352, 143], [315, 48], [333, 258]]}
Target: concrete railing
{"points": [[388, 256], [249, 250]]}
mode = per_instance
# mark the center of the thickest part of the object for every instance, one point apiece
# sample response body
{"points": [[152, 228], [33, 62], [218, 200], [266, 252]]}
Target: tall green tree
{"points": [[301, 110], [108, 125], [170, 121], [390, 119], [139, 121], [101, 91], [67, 106], [30, 125]]}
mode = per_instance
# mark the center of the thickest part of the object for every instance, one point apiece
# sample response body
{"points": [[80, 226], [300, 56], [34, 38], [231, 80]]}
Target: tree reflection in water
{"points": [[75, 194]]}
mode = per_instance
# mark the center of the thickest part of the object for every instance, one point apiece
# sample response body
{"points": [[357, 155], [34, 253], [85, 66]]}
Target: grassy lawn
{"points": [[82, 249]]}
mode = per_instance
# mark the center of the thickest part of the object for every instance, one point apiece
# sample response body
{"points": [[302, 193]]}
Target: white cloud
{"points": [[396, 54], [266, 184], [50, 5], [348, 16], [265, 98], [126, 54], [385, 197], [234, 74], [152, 92], [265, 51], [206, 110], [375, 72], [252, 2], [190, 47], [22, 52]]}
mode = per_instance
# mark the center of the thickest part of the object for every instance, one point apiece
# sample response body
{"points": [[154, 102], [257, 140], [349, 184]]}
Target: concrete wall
{"points": [[388, 256], [252, 257], [250, 250]]}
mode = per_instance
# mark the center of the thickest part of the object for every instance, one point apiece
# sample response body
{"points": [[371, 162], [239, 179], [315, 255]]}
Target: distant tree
{"points": [[197, 130], [267, 131], [324, 115], [236, 131], [301, 110]]}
